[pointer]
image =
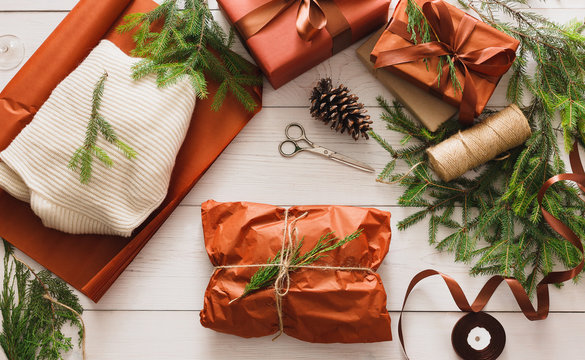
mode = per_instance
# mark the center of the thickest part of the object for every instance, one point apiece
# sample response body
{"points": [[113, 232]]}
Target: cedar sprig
{"points": [[266, 275], [32, 325], [191, 45], [83, 157]]}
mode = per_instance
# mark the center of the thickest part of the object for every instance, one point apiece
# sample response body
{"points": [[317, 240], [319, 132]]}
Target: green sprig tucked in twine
{"points": [[267, 275]]}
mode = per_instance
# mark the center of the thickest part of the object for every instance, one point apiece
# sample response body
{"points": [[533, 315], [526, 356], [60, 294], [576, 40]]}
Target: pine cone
{"points": [[340, 108]]}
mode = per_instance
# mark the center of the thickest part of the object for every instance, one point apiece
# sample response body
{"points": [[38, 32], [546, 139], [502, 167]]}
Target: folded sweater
{"points": [[151, 120]]}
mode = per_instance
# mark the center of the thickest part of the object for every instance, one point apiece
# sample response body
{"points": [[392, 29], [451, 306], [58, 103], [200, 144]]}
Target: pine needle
{"points": [[84, 155], [191, 45], [35, 308]]}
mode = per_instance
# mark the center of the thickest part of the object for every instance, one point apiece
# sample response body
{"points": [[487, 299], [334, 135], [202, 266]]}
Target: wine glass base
{"points": [[11, 52]]}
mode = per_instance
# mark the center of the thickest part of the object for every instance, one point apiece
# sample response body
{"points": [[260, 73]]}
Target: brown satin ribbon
{"points": [[312, 17], [491, 62], [542, 295]]}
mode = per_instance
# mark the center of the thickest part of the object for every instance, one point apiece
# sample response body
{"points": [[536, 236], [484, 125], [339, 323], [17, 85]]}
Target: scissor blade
{"points": [[351, 162]]}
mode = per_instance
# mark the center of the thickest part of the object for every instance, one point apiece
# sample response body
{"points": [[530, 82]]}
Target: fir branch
{"points": [[498, 223], [84, 155], [266, 275], [191, 45], [35, 307]]}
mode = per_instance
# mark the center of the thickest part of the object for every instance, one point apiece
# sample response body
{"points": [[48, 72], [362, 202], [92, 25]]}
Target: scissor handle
{"points": [[303, 135], [297, 149]]}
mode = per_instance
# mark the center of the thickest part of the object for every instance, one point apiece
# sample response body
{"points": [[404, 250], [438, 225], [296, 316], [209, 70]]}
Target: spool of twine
{"points": [[479, 144]]}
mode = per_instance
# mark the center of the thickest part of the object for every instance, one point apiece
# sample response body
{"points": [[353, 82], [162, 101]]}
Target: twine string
{"points": [[282, 282], [468, 149]]}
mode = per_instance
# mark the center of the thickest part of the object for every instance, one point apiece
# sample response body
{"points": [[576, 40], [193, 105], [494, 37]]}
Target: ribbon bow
{"points": [[491, 62], [310, 18]]}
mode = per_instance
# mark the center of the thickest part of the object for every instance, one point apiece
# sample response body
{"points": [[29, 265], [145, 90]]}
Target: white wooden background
{"points": [[152, 311]]}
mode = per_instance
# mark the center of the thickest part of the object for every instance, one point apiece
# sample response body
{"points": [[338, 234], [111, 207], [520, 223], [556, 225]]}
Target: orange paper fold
{"points": [[92, 263], [322, 305]]}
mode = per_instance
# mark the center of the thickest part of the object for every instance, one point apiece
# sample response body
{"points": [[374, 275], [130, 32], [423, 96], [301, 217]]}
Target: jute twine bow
{"points": [[282, 282]]}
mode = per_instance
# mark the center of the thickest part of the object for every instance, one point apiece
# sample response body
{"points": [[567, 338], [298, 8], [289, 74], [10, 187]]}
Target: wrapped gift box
{"points": [[269, 30], [481, 55], [321, 305], [431, 111]]}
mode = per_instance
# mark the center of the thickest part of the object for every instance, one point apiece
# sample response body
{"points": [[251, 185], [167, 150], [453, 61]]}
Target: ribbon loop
{"points": [[310, 19]]}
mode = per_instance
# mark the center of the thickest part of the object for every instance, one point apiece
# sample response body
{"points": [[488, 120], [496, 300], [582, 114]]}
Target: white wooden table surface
{"points": [[152, 311]]}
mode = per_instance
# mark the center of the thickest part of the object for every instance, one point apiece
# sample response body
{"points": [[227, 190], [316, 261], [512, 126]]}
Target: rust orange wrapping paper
{"points": [[323, 305], [279, 50], [486, 52], [92, 263]]}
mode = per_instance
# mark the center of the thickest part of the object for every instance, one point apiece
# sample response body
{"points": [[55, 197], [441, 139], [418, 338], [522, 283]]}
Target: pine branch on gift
{"points": [[500, 226], [192, 45], [336, 106]]}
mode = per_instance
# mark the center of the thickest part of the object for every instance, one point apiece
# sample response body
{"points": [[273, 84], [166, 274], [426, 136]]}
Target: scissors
{"points": [[316, 149]]}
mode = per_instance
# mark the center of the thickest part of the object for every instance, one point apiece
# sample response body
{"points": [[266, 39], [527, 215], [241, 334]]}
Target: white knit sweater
{"points": [[151, 120]]}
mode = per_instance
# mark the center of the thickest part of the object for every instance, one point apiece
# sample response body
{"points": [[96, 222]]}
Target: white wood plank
{"points": [[178, 335], [343, 67]]}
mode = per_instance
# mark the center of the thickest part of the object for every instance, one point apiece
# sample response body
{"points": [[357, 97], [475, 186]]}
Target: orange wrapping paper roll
{"points": [[323, 305], [92, 263]]}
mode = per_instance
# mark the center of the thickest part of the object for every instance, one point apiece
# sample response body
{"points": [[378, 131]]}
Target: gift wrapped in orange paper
{"points": [[288, 37], [340, 298], [481, 55], [92, 263]]}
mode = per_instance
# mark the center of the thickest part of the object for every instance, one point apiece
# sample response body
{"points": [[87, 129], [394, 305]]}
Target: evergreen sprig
{"points": [[192, 45], [266, 275], [493, 218], [32, 325], [421, 32], [97, 124]]}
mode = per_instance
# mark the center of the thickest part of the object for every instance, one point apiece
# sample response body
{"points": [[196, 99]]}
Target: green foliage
{"points": [[192, 45], [558, 83], [85, 154], [493, 218], [266, 275], [31, 324]]}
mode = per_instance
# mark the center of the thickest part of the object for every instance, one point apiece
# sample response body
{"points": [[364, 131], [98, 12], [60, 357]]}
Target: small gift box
{"points": [[338, 298], [288, 37], [480, 53], [431, 111]]}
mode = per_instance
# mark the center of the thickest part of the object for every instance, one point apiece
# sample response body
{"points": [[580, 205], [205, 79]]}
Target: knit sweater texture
{"points": [[151, 120]]}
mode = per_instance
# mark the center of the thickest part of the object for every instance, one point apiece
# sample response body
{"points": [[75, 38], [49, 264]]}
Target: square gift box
{"points": [[481, 55], [289, 37]]}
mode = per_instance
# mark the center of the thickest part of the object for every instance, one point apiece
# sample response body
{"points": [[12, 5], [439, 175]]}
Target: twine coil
{"points": [[282, 282], [481, 143]]}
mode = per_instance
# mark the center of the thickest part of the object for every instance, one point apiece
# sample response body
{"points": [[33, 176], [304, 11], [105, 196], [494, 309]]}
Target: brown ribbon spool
{"points": [[312, 17], [491, 62], [542, 294]]}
